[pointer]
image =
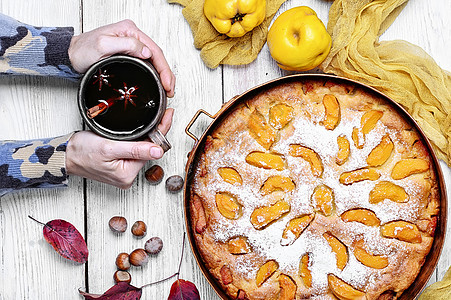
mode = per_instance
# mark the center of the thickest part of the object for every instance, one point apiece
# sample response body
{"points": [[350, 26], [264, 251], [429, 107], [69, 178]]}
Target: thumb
{"points": [[125, 45], [136, 150]]}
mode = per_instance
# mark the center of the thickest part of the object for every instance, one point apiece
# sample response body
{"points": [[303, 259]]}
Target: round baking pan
{"points": [[439, 237]]}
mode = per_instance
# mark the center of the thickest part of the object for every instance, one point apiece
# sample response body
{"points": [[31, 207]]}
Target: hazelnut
{"points": [[174, 183], [154, 174], [118, 224], [139, 257], [153, 245], [123, 261], [139, 229], [120, 276]]}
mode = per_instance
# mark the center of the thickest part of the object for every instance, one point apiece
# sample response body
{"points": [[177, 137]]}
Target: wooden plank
{"points": [[32, 108], [197, 87]]}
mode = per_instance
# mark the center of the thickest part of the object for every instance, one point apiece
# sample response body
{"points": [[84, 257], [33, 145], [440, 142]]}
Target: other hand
{"points": [[114, 162], [121, 37]]}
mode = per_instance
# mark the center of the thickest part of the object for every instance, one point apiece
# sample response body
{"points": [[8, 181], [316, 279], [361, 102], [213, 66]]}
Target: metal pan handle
{"points": [[196, 115]]}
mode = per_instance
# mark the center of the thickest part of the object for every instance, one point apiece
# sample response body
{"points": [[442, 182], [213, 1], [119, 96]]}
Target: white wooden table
{"points": [[33, 107]]}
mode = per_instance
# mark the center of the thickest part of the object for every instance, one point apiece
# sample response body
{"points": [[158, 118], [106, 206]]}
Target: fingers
{"points": [[160, 63], [143, 151], [110, 45], [166, 121]]}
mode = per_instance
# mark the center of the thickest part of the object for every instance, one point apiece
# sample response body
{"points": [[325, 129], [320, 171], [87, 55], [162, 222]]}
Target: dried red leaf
{"points": [[120, 291], [66, 240], [183, 290]]}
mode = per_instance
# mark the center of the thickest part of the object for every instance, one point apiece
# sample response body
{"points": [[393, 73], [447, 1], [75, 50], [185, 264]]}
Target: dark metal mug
{"points": [[151, 128]]}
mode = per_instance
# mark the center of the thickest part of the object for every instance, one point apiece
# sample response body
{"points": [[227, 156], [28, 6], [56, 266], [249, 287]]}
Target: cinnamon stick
{"points": [[100, 108]]}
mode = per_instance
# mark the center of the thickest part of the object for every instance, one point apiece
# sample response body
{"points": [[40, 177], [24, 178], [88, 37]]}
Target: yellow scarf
{"points": [[401, 70]]}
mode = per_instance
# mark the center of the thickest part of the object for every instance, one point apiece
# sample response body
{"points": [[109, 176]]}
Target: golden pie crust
{"points": [[314, 190]]}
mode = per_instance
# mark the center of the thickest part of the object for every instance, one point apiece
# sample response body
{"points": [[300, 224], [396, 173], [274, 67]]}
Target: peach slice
{"points": [[323, 199], [369, 120], [263, 216], [277, 183], [304, 271], [364, 216], [342, 290], [280, 115], [402, 230], [266, 160], [338, 248], [351, 177], [388, 190], [358, 138], [265, 271], [310, 156], [241, 295], [230, 175], [369, 260], [226, 275], [239, 245], [228, 206], [260, 130], [332, 108], [199, 214], [343, 150], [380, 154], [294, 229], [409, 166], [287, 288]]}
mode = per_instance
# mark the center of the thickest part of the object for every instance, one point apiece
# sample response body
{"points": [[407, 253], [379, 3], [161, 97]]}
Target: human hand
{"points": [[113, 162], [121, 37]]}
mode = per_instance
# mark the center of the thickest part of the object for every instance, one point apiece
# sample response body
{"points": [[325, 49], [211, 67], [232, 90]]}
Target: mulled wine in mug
{"points": [[122, 98]]}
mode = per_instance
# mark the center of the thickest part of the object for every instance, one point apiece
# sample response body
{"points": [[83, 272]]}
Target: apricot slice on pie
{"points": [[277, 183], [265, 271], [304, 271], [381, 153], [409, 166], [294, 229], [364, 216], [199, 213], [332, 108], [342, 290], [239, 245], [260, 130], [343, 150], [351, 177], [310, 156], [323, 199], [228, 206], [338, 248], [369, 120], [287, 288], [402, 230], [226, 275], [265, 160], [358, 138], [280, 115], [369, 260], [388, 190], [263, 216], [230, 175]]}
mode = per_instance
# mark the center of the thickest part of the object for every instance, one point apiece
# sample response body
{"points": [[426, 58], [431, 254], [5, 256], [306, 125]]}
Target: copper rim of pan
{"points": [[439, 237]]}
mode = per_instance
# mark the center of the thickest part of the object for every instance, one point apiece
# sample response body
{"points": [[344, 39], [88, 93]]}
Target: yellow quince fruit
{"points": [[298, 40], [235, 17]]}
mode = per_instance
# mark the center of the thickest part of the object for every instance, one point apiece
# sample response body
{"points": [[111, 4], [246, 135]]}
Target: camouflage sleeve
{"points": [[33, 164], [30, 50]]}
